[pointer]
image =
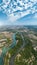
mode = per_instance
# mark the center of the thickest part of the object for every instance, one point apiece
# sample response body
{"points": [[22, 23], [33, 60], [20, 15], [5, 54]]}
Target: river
{"points": [[4, 50]]}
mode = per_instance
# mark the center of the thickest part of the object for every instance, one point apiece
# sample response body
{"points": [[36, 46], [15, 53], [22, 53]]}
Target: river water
{"points": [[4, 50]]}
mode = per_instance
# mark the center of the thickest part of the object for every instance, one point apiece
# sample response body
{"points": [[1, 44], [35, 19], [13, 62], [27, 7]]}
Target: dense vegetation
{"points": [[19, 43], [13, 51], [27, 55]]}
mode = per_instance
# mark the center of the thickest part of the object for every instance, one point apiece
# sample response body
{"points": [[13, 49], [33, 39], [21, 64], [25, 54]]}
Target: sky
{"points": [[18, 12]]}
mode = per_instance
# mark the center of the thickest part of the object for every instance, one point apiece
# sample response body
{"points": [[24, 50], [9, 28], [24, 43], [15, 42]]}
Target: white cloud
{"points": [[35, 16], [33, 0], [6, 1], [13, 18], [1, 23], [24, 6]]}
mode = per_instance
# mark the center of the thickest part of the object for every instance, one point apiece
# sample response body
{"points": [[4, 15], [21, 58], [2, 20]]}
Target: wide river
{"points": [[4, 50]]}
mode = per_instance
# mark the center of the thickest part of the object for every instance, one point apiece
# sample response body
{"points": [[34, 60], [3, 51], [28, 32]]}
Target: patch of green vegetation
{"points": [[12, 51], [28, 55], [8, 40], [6, 59], [15, 49]]}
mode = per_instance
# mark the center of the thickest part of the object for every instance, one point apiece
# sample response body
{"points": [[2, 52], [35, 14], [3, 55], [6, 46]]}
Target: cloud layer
{"points": [[18, 8]]}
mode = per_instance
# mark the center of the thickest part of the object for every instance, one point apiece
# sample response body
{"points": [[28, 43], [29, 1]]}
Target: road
{"points": [[22, 46]]}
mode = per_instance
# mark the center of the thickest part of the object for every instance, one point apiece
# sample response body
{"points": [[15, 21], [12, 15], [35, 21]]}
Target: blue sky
{"points": [[18, 12]]}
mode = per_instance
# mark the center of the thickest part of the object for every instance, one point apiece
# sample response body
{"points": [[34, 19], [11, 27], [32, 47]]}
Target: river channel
{"points": [[4, 50]]}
